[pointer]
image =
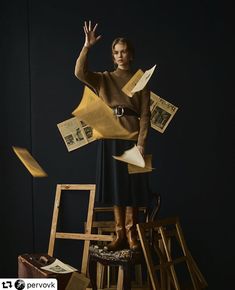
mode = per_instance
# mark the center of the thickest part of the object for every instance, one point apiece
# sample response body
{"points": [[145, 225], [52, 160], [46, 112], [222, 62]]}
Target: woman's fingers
{"points": [[94, 29], [98, 37], [90, 33], [88, 28], [85, 27]]}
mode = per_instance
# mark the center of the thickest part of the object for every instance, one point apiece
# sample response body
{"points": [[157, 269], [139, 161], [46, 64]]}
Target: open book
{"points": [[93, 111], [29, 162], [162, 112], [75, 133], [138, 81]]}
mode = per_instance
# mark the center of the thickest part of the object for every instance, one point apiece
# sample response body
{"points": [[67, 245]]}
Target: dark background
{"points": [[191, 43]]}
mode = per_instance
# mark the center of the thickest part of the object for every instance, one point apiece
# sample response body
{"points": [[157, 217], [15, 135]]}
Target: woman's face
{"points": [[121, 56]]}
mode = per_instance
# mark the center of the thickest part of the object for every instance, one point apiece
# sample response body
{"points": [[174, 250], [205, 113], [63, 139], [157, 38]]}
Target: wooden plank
{"points": [[120, 278], [100, 275], [169, 259], [103, 224], [185, 251], [54, 220], [88, 231], [84, 237], [138, 275], [85, 187], [110, 209], [198, 272], [148, 258]]}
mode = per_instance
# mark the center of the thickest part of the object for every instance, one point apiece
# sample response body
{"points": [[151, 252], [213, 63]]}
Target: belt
{"points": [[120, 111]]}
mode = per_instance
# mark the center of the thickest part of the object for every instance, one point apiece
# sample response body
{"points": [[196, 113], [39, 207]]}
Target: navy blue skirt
{"points": [[114, 185]]}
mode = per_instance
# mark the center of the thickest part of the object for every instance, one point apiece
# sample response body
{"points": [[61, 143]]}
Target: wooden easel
{"points": [[162, 232], [87, 236]]}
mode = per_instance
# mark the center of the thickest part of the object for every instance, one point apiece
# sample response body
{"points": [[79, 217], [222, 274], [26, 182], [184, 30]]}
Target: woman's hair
{"points": [[129, 45]]}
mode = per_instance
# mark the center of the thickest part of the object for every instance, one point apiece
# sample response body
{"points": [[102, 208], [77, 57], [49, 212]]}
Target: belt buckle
{"points": [[119, 111]]}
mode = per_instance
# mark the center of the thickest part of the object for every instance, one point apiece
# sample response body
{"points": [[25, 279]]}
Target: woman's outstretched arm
{"points": [[81, 68]]}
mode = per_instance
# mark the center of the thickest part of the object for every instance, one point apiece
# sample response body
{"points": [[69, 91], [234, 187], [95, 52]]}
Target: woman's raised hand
{"points": [[91, 38]]}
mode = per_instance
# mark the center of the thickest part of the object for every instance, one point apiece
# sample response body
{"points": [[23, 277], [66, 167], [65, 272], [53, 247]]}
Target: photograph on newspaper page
{"points": [[75, 133], [59, 267], [162, 112], [101, 118], [133, 169], [29, 162]]}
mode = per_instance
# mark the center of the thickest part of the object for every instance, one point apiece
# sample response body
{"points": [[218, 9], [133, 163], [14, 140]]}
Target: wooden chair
{"points": [[87, 236], [123, 259], [104, 228], [107, 227], [157, 240]]}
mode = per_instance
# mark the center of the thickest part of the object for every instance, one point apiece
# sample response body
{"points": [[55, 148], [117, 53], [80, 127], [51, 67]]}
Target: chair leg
{"points": [[92, 274], [127, 277]]}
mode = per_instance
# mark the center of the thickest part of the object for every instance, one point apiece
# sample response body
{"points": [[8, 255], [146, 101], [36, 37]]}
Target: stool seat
{"points": [[125, 258]]}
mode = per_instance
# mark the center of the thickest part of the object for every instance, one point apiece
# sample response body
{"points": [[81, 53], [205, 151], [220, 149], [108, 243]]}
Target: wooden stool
{"points": [[124, 259], [106, 274]]}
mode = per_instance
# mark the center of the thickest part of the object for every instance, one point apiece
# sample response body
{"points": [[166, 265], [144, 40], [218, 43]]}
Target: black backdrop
{"points": [[191, 42]]}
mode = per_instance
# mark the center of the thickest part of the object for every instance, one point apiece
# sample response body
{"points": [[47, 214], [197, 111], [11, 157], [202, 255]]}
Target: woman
{"points": [[114, 185]]}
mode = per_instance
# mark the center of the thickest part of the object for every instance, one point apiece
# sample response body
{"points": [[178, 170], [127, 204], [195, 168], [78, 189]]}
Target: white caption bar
{"points": [[28, 284]]}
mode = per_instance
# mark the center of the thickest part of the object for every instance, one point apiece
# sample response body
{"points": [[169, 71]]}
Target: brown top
{"points": [[108, 86]]}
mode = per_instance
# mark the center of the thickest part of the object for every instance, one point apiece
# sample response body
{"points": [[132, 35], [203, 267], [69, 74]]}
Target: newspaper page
{"points": [[59, 267], [77, 281], [132, 156], [29, 162], [133, 169], [75, 133], [143, 80], [162, 112], [129, 86], [101, 118], [138, 81]]}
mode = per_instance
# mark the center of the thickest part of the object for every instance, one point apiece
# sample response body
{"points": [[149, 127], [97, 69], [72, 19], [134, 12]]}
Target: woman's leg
{"points": [[130, 225], [119, 242]]}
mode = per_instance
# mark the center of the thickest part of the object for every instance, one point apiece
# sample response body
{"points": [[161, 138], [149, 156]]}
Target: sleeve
{"points": [[92, 79], [144, 117]]}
